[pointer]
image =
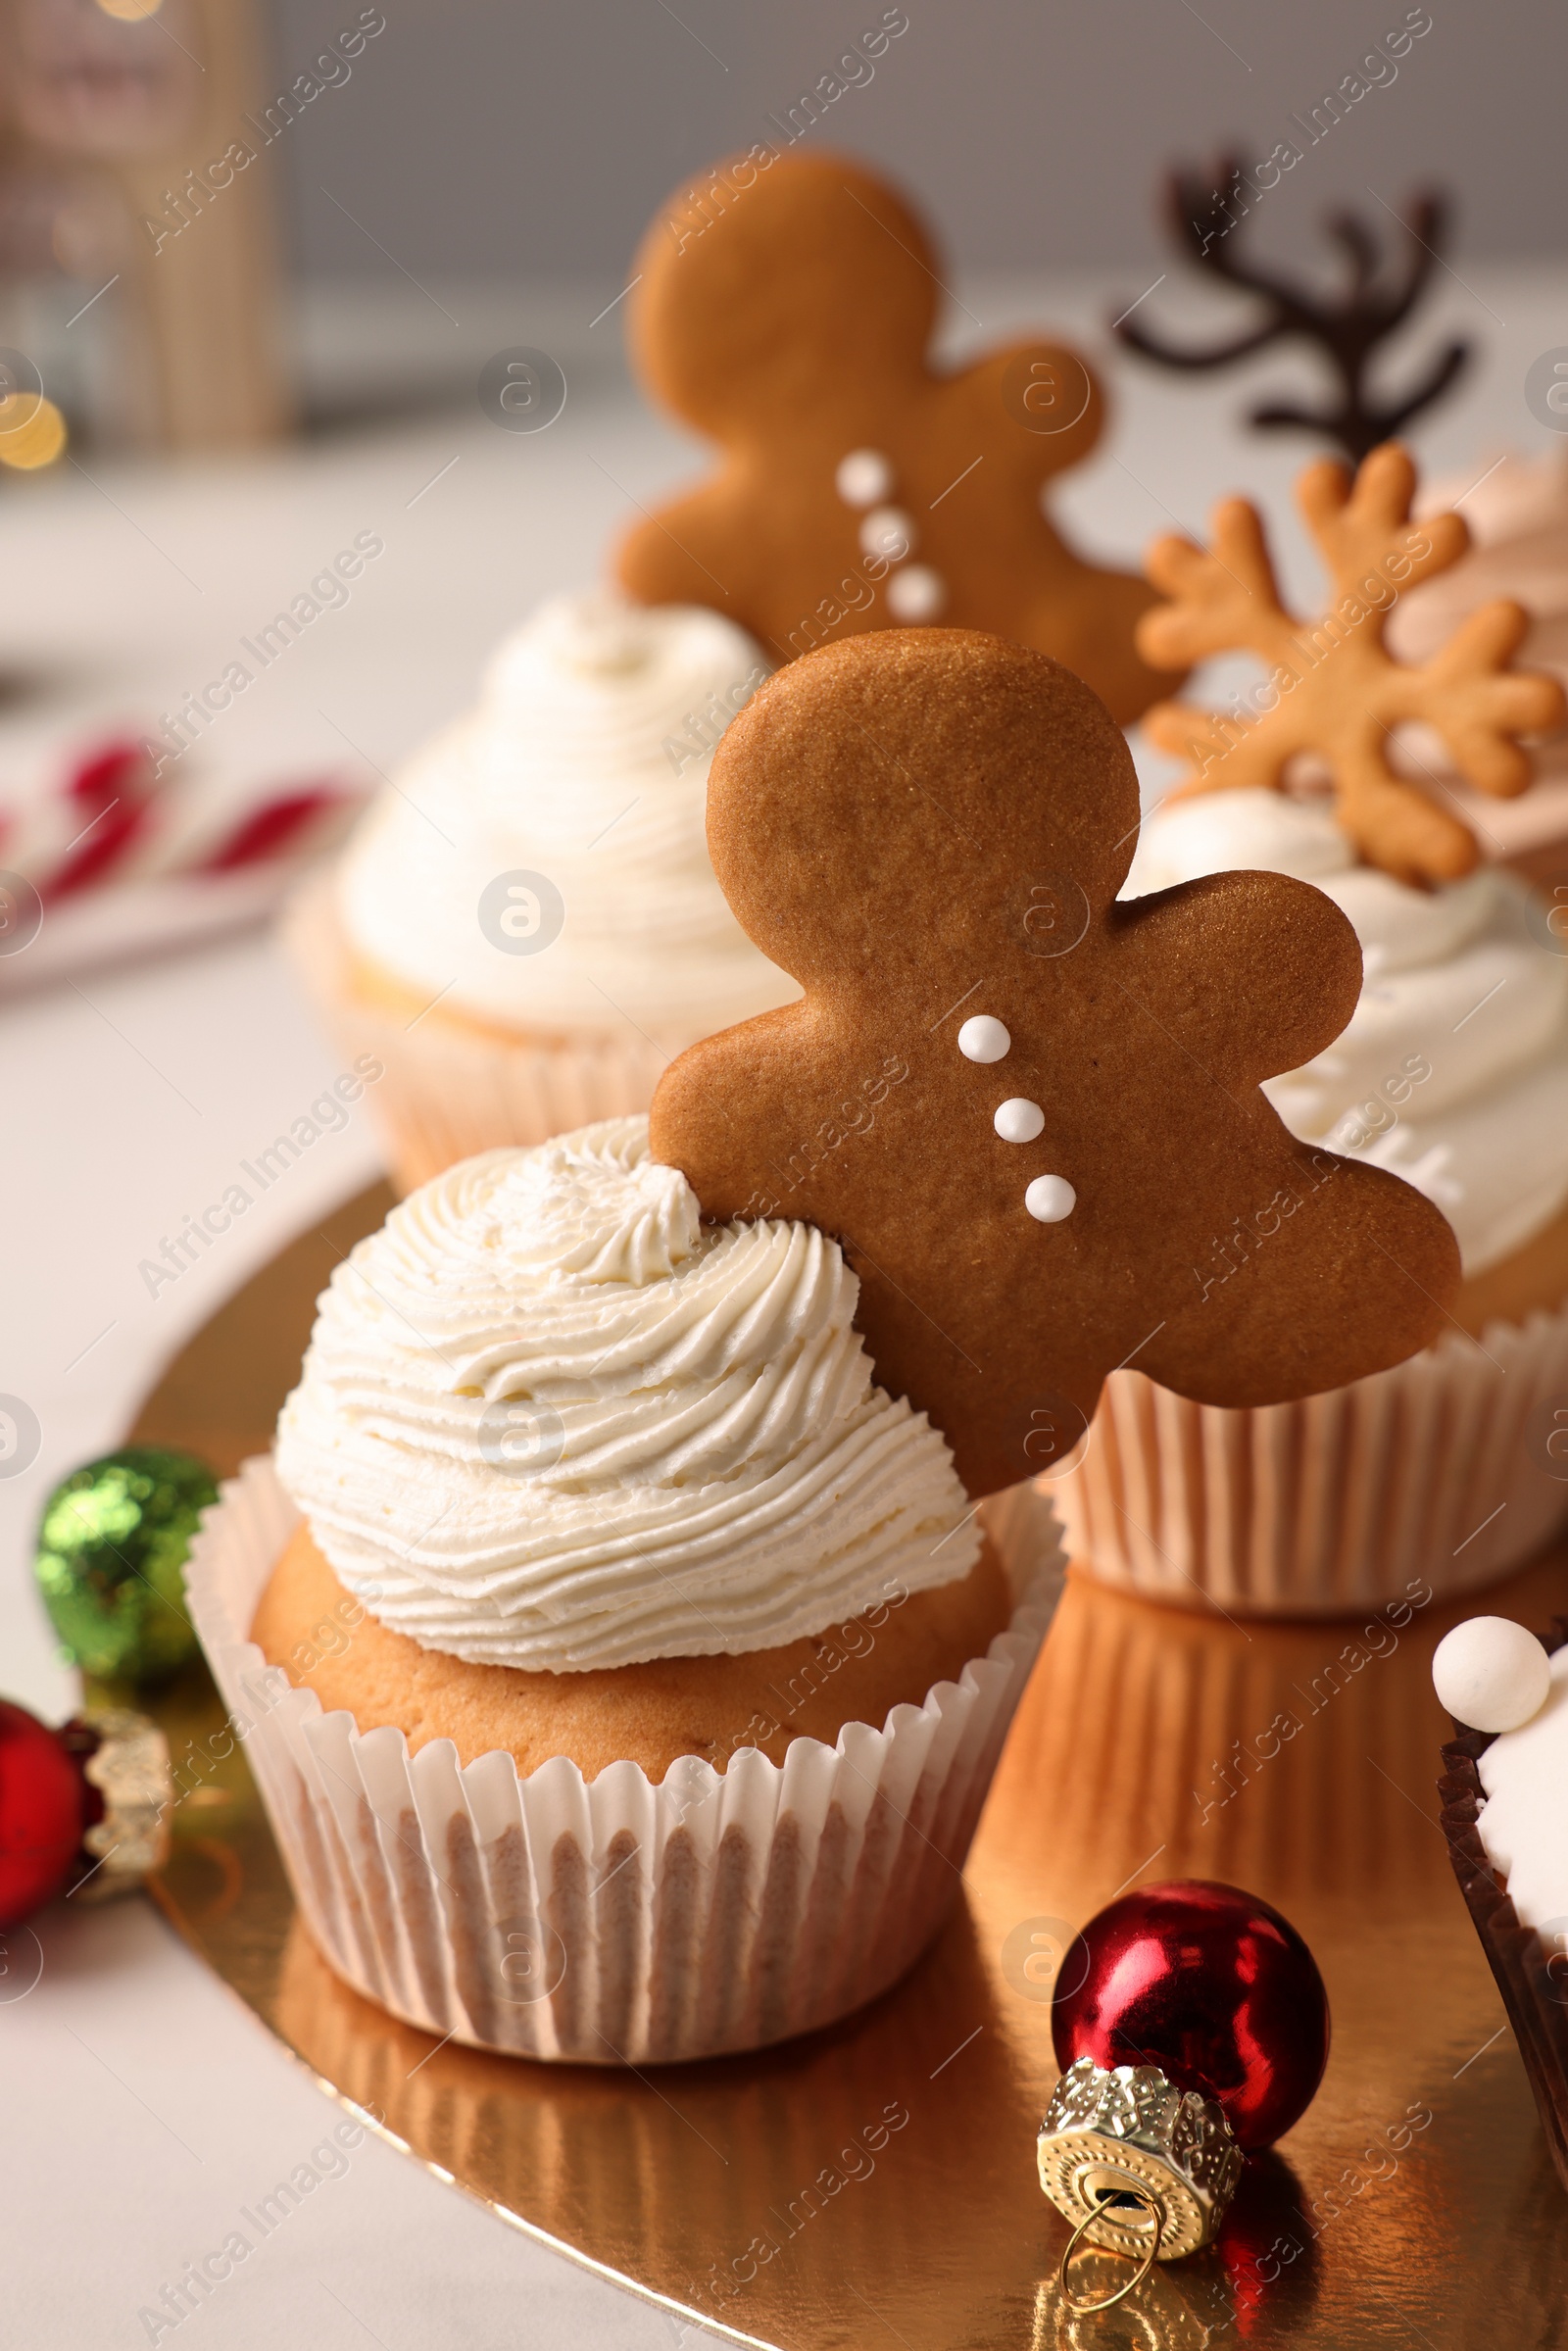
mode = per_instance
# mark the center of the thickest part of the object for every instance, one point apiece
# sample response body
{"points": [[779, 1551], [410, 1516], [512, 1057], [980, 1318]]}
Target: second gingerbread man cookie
{"points": [[860, 486], [1032, 1115]]}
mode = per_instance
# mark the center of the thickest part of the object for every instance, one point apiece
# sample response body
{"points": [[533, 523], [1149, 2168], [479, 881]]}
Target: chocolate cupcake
{"points": [[1502, 1794]]}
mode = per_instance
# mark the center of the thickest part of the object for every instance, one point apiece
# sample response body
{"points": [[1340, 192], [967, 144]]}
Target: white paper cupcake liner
{"points": [[451, 1089], [616, 1921], [1434, 1472]]}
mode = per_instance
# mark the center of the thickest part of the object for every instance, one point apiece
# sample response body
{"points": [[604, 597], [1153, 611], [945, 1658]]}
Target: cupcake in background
{"points": [[623, 1669], [1517, 513], [1453, 1074], [525, 929], [1507, 1833]]}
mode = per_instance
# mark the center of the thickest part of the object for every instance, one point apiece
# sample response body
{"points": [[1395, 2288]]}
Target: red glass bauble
{"points": [[42, 1812], [1209, 1984]]}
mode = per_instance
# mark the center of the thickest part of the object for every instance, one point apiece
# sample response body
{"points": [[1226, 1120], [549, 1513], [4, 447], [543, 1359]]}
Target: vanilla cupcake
{"points": [[525, 929], [623, 1669], [1453, 1074]]}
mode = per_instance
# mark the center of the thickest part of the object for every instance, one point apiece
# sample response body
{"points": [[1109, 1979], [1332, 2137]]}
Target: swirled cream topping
{"points": [[585, 764], [548, 1419], [1453, 1071]]}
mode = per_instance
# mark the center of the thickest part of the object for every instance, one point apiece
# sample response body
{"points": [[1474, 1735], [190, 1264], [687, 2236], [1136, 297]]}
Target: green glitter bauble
{"points": [[111, 1548]]}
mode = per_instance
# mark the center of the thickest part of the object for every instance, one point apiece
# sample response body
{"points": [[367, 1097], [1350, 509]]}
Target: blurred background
{"points": [[479, 157]]}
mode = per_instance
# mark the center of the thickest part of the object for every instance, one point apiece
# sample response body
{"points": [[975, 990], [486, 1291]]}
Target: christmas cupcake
{"points": [[623, 1668], [1504, 1818], [525, 929], [1453, 1073], [626, 1633]]}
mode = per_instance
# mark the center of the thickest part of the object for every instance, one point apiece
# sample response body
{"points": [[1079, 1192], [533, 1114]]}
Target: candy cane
{"points": [[115, 804]]}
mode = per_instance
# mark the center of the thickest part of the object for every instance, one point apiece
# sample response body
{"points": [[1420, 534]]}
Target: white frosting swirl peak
{"points": [[694, 1460], [587, 762], [1453, 1069]]}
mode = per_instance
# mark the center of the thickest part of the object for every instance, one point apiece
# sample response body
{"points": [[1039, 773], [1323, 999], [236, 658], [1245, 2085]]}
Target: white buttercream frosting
{"points": [[1454, 1070], [587, 762], [1524, 1823], [697, 1460]]}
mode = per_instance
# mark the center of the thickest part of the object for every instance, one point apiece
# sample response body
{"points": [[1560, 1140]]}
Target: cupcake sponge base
{"points": [[450, 1086], [649, 1714]]}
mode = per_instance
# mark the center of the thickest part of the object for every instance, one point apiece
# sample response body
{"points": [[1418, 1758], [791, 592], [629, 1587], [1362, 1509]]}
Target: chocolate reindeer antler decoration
{"points": [[1348, 328]]}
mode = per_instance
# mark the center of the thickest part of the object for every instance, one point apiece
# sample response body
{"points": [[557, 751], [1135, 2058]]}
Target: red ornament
{"points": [[1209, 1984], [46, 1805]]}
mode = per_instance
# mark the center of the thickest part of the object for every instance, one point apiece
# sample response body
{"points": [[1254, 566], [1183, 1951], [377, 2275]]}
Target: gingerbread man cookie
{"points": [[790, 321], [1031, 1113], [1333, 686]]}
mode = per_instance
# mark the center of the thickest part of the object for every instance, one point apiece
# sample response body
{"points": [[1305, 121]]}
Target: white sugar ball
{"points": [[1050, 1198], [1490, 1673], [983, 1039], [1020, 1120], [916, 593], [863, 477], [889, 533]]}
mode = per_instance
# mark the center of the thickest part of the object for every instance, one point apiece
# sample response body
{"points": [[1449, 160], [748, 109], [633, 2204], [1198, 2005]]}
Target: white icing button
{"points": [[1050, 1198], [889, 533], [1490, 1673], [1021, 1121], [916, 593], [863, 477], [983, 1039]]}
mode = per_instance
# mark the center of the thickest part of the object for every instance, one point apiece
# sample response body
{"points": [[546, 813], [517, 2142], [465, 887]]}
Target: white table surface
{"points": [[142, 2104]]}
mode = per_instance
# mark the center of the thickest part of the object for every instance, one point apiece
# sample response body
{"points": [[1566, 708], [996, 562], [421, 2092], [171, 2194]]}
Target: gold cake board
{"points": [[875, 2183]]}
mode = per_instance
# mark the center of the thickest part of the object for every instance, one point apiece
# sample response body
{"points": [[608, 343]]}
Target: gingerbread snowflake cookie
{"points": [[788, 319], [1333, 689], [1029, 1112]]}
